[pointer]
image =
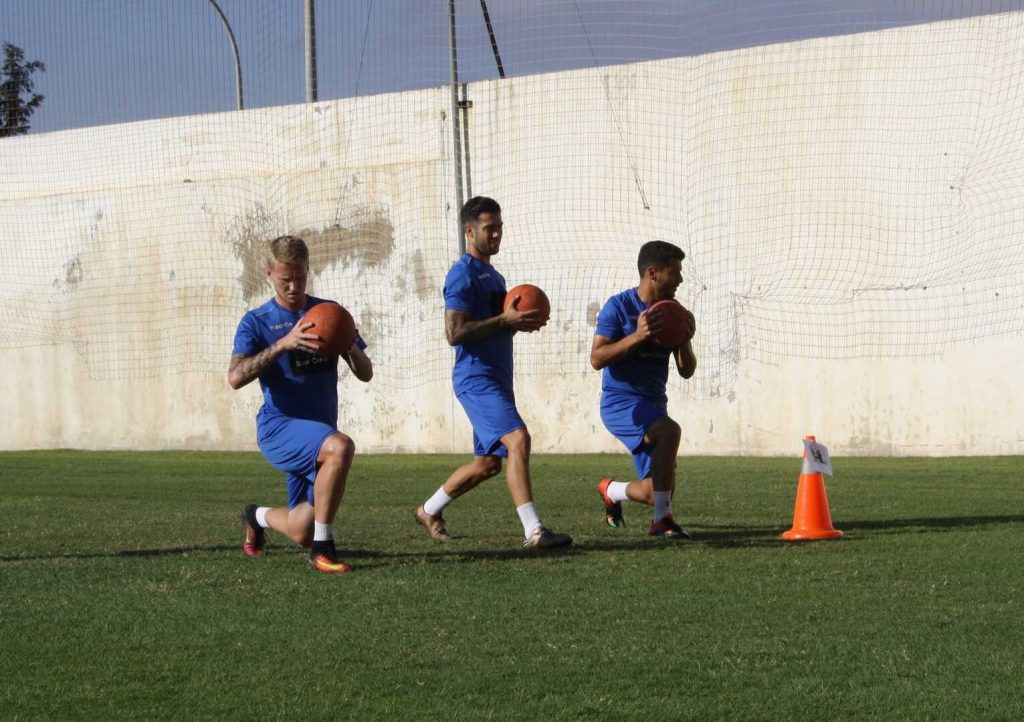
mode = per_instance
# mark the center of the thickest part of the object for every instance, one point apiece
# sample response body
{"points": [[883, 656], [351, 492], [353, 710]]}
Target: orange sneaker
{"points": [[324, 558], [612, 509]]}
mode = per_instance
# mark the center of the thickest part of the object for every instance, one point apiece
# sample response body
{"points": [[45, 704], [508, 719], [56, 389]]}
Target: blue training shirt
{"points": [[478, 289], [644, 371], [298, 384]]}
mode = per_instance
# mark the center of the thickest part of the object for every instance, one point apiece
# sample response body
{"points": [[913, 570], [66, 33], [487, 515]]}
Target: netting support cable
{"points": [[234, 50], [615, 116], [362, 50], [494, 41]]}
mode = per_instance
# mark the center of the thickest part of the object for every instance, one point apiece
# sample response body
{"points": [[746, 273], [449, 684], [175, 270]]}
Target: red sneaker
{"points": [[255, 538]]}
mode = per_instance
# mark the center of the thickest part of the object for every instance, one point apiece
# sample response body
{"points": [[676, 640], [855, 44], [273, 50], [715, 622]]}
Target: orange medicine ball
{"points": [[530, 298], [334, 326]]}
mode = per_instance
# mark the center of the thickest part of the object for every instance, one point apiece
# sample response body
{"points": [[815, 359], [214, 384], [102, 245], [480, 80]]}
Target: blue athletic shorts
{"points": [[628, 418], [292, 445], [492, 413]]}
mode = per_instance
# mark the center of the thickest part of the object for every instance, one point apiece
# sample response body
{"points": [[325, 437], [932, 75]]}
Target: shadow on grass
{"points": [[725, 537], [930, 523], [440, 555], [728, 537], [170, 551]]}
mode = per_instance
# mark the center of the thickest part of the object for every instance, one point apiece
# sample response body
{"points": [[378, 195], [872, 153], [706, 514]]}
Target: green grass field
{"points": [[124, 594]]}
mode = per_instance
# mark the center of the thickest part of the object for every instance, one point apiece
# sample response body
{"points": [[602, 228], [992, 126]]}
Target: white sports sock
{"points": [[662, 504], [529, 517], [617, 491], [261, 516], [322, 532], [435, 504]]}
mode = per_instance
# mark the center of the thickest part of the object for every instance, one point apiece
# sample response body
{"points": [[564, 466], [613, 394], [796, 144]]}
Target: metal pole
{"points": [[467, 162], [457, 140], [234, 49], [309, 18], [494, 42]]}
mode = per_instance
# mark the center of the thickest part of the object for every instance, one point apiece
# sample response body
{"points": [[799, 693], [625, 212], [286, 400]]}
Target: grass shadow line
{"points": [[930, 523], [724, 537], [170, 551]]}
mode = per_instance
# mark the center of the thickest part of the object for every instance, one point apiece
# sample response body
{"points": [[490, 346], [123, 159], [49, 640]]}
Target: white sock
{"points": [[529, 517], [662, 504], [261, 516], [322, 532], [617, 491], [435, 504]]}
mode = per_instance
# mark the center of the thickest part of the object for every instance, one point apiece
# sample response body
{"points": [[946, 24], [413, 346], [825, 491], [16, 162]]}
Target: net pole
{"points": [[467, 162], [456, 135], [309, 29]]}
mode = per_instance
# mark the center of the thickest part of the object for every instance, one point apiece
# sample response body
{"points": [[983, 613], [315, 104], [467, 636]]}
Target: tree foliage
{"points": [[17, 101]]}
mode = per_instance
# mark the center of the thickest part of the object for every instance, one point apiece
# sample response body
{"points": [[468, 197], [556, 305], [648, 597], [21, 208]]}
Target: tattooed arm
{"points": [[459, 329], [245, 369]]}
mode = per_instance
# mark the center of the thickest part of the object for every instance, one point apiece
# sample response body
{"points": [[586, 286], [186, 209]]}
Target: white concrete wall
{"points": [[850, 207]]}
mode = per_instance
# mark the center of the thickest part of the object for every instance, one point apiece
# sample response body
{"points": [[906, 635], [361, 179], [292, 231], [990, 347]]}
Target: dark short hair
{"points": [[475, 206], [658, 254]]}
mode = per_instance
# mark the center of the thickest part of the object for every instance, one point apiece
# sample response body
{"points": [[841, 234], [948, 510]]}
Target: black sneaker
{"points": [[666, 528]]}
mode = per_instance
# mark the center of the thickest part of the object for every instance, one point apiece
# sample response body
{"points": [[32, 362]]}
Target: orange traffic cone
{"points": [[811, 518]]}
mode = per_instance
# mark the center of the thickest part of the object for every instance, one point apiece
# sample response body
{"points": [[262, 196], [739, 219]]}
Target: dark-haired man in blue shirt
{"points": [[481, 332], [634, 405]]}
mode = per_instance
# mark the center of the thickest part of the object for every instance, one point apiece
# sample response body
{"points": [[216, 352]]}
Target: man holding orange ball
{"points": [[481, 330], [634, 405], [297, 426]]}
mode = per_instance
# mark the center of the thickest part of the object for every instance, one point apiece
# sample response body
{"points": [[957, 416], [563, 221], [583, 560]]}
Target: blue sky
{"points": [[111, 61]]}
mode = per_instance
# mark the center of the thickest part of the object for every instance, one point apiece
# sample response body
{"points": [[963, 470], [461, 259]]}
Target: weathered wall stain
{"points": [[73, 275], [369, 242], [248, 236], [420, 277]]}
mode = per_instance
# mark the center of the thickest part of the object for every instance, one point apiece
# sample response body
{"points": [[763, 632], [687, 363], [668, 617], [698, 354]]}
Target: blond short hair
{"points": [[287, 249]]}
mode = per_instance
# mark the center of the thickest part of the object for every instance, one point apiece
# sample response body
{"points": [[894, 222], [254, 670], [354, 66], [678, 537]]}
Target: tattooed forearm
{"points": [[244, 369], [459, 329]]}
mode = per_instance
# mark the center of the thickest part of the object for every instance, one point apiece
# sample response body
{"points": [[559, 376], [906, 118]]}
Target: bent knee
{"points": [[518, 442], [302, 537], [337, 447], [664, 431]]}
